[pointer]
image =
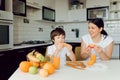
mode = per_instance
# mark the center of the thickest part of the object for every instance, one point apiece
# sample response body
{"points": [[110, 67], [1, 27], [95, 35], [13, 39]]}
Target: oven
{"points": [[6, 31]]}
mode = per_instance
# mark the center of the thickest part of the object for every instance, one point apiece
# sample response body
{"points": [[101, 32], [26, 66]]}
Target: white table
{"points": [[105, 70]]}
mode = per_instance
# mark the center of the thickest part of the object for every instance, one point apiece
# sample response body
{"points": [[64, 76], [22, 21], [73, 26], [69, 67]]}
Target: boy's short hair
{"points": [[57, 32]]}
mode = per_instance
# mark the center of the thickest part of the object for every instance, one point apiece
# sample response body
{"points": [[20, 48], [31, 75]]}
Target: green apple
{"points": [[33, 70], [41, 58]]}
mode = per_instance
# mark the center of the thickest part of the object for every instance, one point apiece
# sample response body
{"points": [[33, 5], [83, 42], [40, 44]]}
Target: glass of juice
{"points": [[56, 62]]}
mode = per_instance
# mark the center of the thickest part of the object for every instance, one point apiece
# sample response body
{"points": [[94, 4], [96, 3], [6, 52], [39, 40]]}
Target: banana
{"points": [[35, 56], [32, 57]]}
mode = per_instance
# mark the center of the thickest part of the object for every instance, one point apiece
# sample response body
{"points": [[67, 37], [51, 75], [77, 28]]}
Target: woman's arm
{"points": [[107, 53], [85, 51]]}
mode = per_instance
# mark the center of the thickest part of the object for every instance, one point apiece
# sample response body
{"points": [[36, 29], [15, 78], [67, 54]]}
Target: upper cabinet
{"points": [[35, 3], [77, 15], [7, 5], [77, 10], [114, 9], [37, 13], [49, 3], [77, 4], [61, 7], [96, 3]]}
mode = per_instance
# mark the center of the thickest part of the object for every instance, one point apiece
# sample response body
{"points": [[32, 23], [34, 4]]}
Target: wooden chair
{"points": [[77, 53]]}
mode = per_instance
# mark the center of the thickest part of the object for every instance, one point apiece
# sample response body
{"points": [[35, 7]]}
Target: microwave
{"points": [[6, 35], [48, 14], [98, 12]]}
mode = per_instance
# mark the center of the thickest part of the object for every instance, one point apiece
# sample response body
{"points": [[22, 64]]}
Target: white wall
{"points": [[30, 31], [71, 35]]}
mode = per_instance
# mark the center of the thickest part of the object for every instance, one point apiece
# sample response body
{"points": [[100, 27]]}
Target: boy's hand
{"points": [[68, 46]]}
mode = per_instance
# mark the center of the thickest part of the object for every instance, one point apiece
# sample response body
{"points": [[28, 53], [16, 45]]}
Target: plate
{"points": [[98, 67]]}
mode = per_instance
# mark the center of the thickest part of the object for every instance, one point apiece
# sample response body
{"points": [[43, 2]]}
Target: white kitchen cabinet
{"points": [[8, 5], [34, 14], [77, 15], [61, 7], [116, 52], [35, 3], [49, 3], [96, 3], [114, 9]]}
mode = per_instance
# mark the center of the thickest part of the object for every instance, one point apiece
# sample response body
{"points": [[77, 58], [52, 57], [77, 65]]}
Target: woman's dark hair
{"points": [[100, 24], [57, 32]]}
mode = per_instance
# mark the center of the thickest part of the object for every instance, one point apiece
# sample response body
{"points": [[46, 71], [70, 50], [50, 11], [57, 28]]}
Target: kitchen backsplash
{"points": [[41, 30], [31, 31], [74, 31], [113, 29]]}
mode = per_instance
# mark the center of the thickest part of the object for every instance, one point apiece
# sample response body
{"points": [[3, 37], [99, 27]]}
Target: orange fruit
{"points": [[36, 64], [49, 67], [43, 72], [24, 66]]}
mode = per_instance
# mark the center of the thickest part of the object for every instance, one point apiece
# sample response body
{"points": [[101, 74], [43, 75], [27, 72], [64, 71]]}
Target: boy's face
{"points": [[59, 39]]}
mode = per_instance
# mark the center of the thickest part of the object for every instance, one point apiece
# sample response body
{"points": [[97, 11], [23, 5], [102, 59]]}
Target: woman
{"points": [[102, 44]]}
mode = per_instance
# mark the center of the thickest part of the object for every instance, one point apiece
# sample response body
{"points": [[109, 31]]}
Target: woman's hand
{"points": [[87, 50], [98, 49]]}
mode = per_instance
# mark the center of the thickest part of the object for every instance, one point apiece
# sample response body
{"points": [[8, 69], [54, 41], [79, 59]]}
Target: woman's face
{"points": [[94, 30], [59, 39]]}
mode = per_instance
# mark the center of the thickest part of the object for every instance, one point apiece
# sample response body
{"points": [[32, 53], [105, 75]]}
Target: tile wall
{"points": [[31, 31]]}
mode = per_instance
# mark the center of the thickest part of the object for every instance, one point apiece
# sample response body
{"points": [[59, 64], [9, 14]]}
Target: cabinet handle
{"points": [[21, 51]]}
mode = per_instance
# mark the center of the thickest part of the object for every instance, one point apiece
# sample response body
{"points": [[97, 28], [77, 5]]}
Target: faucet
{"points": [[76, 32]]}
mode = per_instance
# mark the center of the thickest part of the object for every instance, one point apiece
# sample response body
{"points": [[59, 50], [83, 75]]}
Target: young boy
{"points": [[59, 48]]}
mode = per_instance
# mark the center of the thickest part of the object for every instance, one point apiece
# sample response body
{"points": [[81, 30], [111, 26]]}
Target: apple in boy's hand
{"points": [[33, 70], [91, 45]]}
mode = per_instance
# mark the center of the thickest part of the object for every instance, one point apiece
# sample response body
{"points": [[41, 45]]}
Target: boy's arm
{"points": [[72, 55]]}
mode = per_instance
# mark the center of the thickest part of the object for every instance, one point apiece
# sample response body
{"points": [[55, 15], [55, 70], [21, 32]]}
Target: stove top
{"points": [[33, 42]]}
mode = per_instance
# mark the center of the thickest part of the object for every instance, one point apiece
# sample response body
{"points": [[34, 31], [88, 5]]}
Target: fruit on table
{"points": [[49, 67], [24, 66], [36, 64], [41, 58], [43, 73], [35, 56], [92, 60], [33, 70]]}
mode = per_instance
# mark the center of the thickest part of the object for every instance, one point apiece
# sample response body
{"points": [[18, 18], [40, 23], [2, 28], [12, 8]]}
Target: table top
{"points": [[104, 70]]}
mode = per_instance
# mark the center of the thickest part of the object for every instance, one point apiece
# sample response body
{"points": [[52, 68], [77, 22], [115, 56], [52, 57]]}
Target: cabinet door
{"points": [[61, 7], [49, 3], [7, 66], [77, 15], [116, 52], [96, 3], [35, 3]]}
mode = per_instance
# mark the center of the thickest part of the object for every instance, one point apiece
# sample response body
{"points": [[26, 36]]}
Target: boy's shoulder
{"points": [[51, 46]]}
